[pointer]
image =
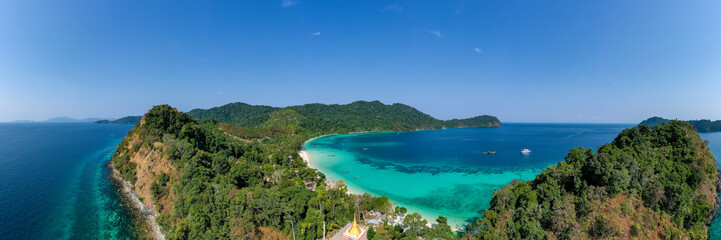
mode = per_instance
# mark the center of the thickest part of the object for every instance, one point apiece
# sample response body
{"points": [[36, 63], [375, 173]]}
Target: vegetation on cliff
{"points": [[646, 184], [703, 125]]}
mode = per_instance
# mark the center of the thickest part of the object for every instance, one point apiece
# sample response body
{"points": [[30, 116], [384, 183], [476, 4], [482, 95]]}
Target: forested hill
{"points": [[204, 184], [646, 184], [334, 118], [703, 125], [122, 120]]}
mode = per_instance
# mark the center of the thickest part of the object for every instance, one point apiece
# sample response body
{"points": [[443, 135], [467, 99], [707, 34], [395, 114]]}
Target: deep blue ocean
{"points": [[54, 182]]}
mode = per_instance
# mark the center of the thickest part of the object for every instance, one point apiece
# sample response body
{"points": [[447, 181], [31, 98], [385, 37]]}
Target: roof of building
{"points": [[354, 232]]}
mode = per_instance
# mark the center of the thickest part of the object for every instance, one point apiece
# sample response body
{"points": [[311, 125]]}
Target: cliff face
{"points": [[147, 162]]}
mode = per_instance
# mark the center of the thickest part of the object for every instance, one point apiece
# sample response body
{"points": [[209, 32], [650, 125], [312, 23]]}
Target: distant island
{"points": [[703, 125], [71, 120], [123, 120], [61, 120]]}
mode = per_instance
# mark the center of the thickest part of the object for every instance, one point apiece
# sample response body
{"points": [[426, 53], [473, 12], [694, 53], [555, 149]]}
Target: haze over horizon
{"points": [[95, 118], [566, 61]]}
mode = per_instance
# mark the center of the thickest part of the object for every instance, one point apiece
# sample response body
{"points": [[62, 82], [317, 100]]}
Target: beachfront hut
{"points": [[310, 186], [374, 222]]}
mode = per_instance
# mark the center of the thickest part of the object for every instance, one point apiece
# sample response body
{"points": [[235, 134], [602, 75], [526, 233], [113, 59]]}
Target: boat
{"points": [[357, 177], [491, 152], [364, 149], [346, 171], [526, 151]]}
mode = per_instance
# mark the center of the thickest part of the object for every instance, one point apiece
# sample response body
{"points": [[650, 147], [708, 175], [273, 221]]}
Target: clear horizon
{"points": [[560, 62], [512, 122]]}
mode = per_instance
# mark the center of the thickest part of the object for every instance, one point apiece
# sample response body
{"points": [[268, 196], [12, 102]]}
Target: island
{"points": [[69, 120], [235, 172], [123, 120], [703, 125]]}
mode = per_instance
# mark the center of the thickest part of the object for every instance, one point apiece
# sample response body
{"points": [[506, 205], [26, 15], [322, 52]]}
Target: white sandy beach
{"points": [[306, 158]]}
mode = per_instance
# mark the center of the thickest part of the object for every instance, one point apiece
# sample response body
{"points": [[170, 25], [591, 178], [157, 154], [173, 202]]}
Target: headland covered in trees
{"points": [[658, 183], [703, 125], [234, 172]]}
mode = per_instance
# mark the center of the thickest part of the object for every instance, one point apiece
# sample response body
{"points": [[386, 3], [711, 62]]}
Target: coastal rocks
{"points": [[145, 212]]}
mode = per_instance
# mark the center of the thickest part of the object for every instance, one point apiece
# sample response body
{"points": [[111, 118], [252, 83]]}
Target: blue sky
{"points": [[527, 61]]}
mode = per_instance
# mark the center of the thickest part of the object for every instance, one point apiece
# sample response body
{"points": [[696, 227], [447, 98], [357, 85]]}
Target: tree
{"points": [[371, 233], [663, 167], [442, 230], [415, 226]]}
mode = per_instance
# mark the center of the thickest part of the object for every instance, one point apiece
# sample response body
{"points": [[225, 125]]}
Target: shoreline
{"points": [[145, 213], [306, 156]]}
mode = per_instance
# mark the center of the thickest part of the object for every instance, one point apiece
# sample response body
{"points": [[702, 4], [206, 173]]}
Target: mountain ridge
{"points": [[702, 125], [340, 118]]}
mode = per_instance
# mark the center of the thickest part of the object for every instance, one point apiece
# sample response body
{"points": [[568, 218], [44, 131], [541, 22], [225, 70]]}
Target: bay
{"points": [[447, 172]]}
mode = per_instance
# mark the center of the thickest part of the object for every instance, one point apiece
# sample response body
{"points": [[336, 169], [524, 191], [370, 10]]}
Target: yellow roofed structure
{"points": [[354, 232]]}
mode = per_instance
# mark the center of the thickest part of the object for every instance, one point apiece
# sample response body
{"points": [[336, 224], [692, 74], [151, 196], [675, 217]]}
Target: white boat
{"points": [[526, 151]]}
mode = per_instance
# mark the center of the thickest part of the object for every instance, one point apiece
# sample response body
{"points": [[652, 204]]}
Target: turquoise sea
{"points": [[54, 182], [446, 172]]}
